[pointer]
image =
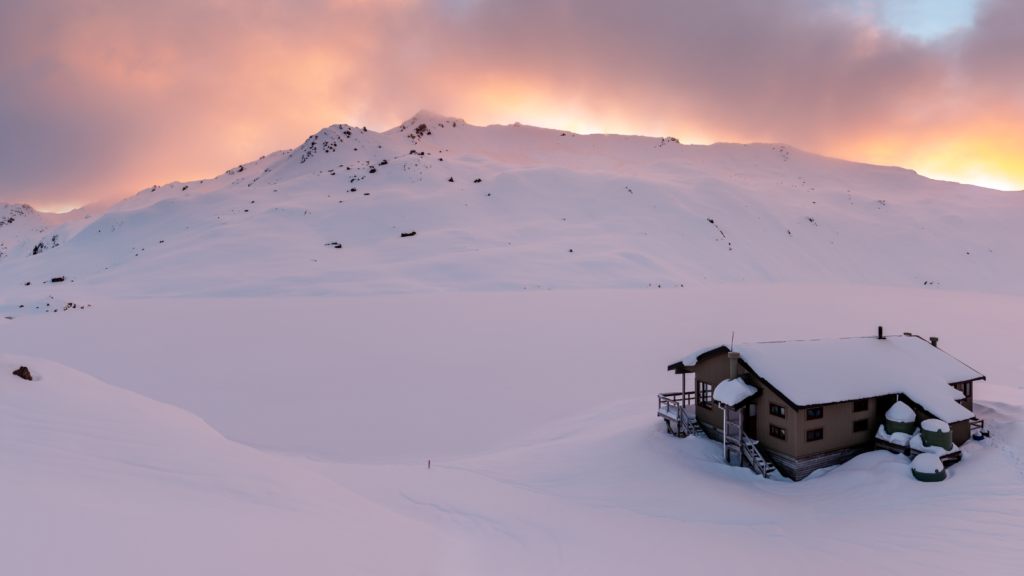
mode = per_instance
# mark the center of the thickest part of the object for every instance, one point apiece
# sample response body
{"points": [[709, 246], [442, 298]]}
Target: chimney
{"points": [[734, 365], [935, 341], [880, 337]]}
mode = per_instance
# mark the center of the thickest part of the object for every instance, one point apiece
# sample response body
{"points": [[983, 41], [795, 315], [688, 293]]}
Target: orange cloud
{"points": [[101, 98]]}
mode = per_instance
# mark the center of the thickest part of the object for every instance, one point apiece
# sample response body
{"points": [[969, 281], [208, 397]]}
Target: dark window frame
{"points": [[864, 424], [777, 432], [966, 388], [815, 435], [705, 393], [816, 413], [777, 411], [861, 405]]}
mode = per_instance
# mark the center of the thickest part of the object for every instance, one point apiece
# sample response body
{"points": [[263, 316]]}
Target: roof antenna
{"points": [[733, 341]]}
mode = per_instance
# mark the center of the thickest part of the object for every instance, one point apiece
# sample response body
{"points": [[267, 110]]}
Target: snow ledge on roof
{"points": [[691, 358], [732, 392]]}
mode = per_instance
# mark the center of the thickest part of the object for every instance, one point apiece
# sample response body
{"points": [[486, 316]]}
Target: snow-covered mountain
{"points": [[24, 231], [517, 207], [283, 358]]}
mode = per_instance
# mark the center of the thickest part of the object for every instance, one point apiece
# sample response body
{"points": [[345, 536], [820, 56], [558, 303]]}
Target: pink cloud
{"points": [[100, 99]]}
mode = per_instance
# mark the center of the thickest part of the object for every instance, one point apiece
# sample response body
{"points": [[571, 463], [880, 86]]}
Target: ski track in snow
{"points": [[270, 400]]}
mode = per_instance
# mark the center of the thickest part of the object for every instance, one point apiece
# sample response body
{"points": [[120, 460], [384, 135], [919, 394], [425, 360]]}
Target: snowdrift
{"points": [[98, 480]]}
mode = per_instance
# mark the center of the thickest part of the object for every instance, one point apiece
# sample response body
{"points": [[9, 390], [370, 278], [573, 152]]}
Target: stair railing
{"points": [[753, 455]]}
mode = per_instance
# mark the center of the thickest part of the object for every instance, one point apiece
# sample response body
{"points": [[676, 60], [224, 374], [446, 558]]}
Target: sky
{"points": [[102, 98]]}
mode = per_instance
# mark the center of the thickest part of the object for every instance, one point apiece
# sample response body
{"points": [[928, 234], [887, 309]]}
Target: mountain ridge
{"points": [[516, 207]]}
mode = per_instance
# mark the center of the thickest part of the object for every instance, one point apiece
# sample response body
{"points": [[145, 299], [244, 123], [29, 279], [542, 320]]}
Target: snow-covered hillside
{"points": [[98, 480], [24, 231], [516, 207], [273, 358]]}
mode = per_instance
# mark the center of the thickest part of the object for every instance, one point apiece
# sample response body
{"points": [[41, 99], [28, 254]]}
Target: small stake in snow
{"points": [[428, 464]]}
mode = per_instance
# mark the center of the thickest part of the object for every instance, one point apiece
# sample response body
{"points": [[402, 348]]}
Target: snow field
{"points": [[99, 480], [271, 400], [537, 410]]}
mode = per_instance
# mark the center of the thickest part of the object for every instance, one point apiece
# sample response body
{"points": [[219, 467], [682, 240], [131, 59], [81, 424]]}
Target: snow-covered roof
{"points": [[691, 359], [814, 372], [732, 392]]}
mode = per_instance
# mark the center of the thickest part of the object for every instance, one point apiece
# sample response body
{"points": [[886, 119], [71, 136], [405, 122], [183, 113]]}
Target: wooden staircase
{"points": [[758, 463], [688, 427]]}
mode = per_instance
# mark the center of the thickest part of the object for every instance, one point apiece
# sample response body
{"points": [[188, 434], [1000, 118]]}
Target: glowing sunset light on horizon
{"points": [[102, 99]]}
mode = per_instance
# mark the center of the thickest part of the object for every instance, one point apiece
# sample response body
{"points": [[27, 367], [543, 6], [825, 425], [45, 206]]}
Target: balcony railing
{"points": [[672, 406]]}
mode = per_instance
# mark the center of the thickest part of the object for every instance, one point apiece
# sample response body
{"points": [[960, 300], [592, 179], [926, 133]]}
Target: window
{"points": [[860, 405], [777, 432], [817, 434], [815, 413], [860, 426], [776, 410], [964, 387], [704, 394]]}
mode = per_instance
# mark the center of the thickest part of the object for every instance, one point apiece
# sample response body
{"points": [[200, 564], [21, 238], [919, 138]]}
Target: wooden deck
{"points": [[678, 407]]}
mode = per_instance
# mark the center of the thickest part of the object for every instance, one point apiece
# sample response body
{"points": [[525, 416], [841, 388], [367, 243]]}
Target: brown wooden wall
{"points": [[837, 423], [961, 432], [765, 419], [713, 371], [800, 468]]}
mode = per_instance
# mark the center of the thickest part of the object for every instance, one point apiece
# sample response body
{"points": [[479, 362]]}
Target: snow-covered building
{"points": [[797, 406]]}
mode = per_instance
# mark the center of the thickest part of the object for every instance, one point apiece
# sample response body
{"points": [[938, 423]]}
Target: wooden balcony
{"points": [[672, 404], [673, 407]]}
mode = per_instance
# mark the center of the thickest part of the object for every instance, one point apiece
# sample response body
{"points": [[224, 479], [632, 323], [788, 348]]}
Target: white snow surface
{"points": [[732, 392], [261, 402], [99, 480], [691, 358], [934, 425], [900, 412], [927, 463], [898, 438], [549, 460], [636, 212]]}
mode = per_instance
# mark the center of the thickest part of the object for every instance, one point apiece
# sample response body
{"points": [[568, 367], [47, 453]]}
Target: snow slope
{"points": [[273, 399], [98, 480], [538, 412], [23, 231], [553, 210]]}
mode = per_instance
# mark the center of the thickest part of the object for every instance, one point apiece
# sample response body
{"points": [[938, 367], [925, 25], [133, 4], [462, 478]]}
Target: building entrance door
{"points": [[731, 433], [750, 422]]}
